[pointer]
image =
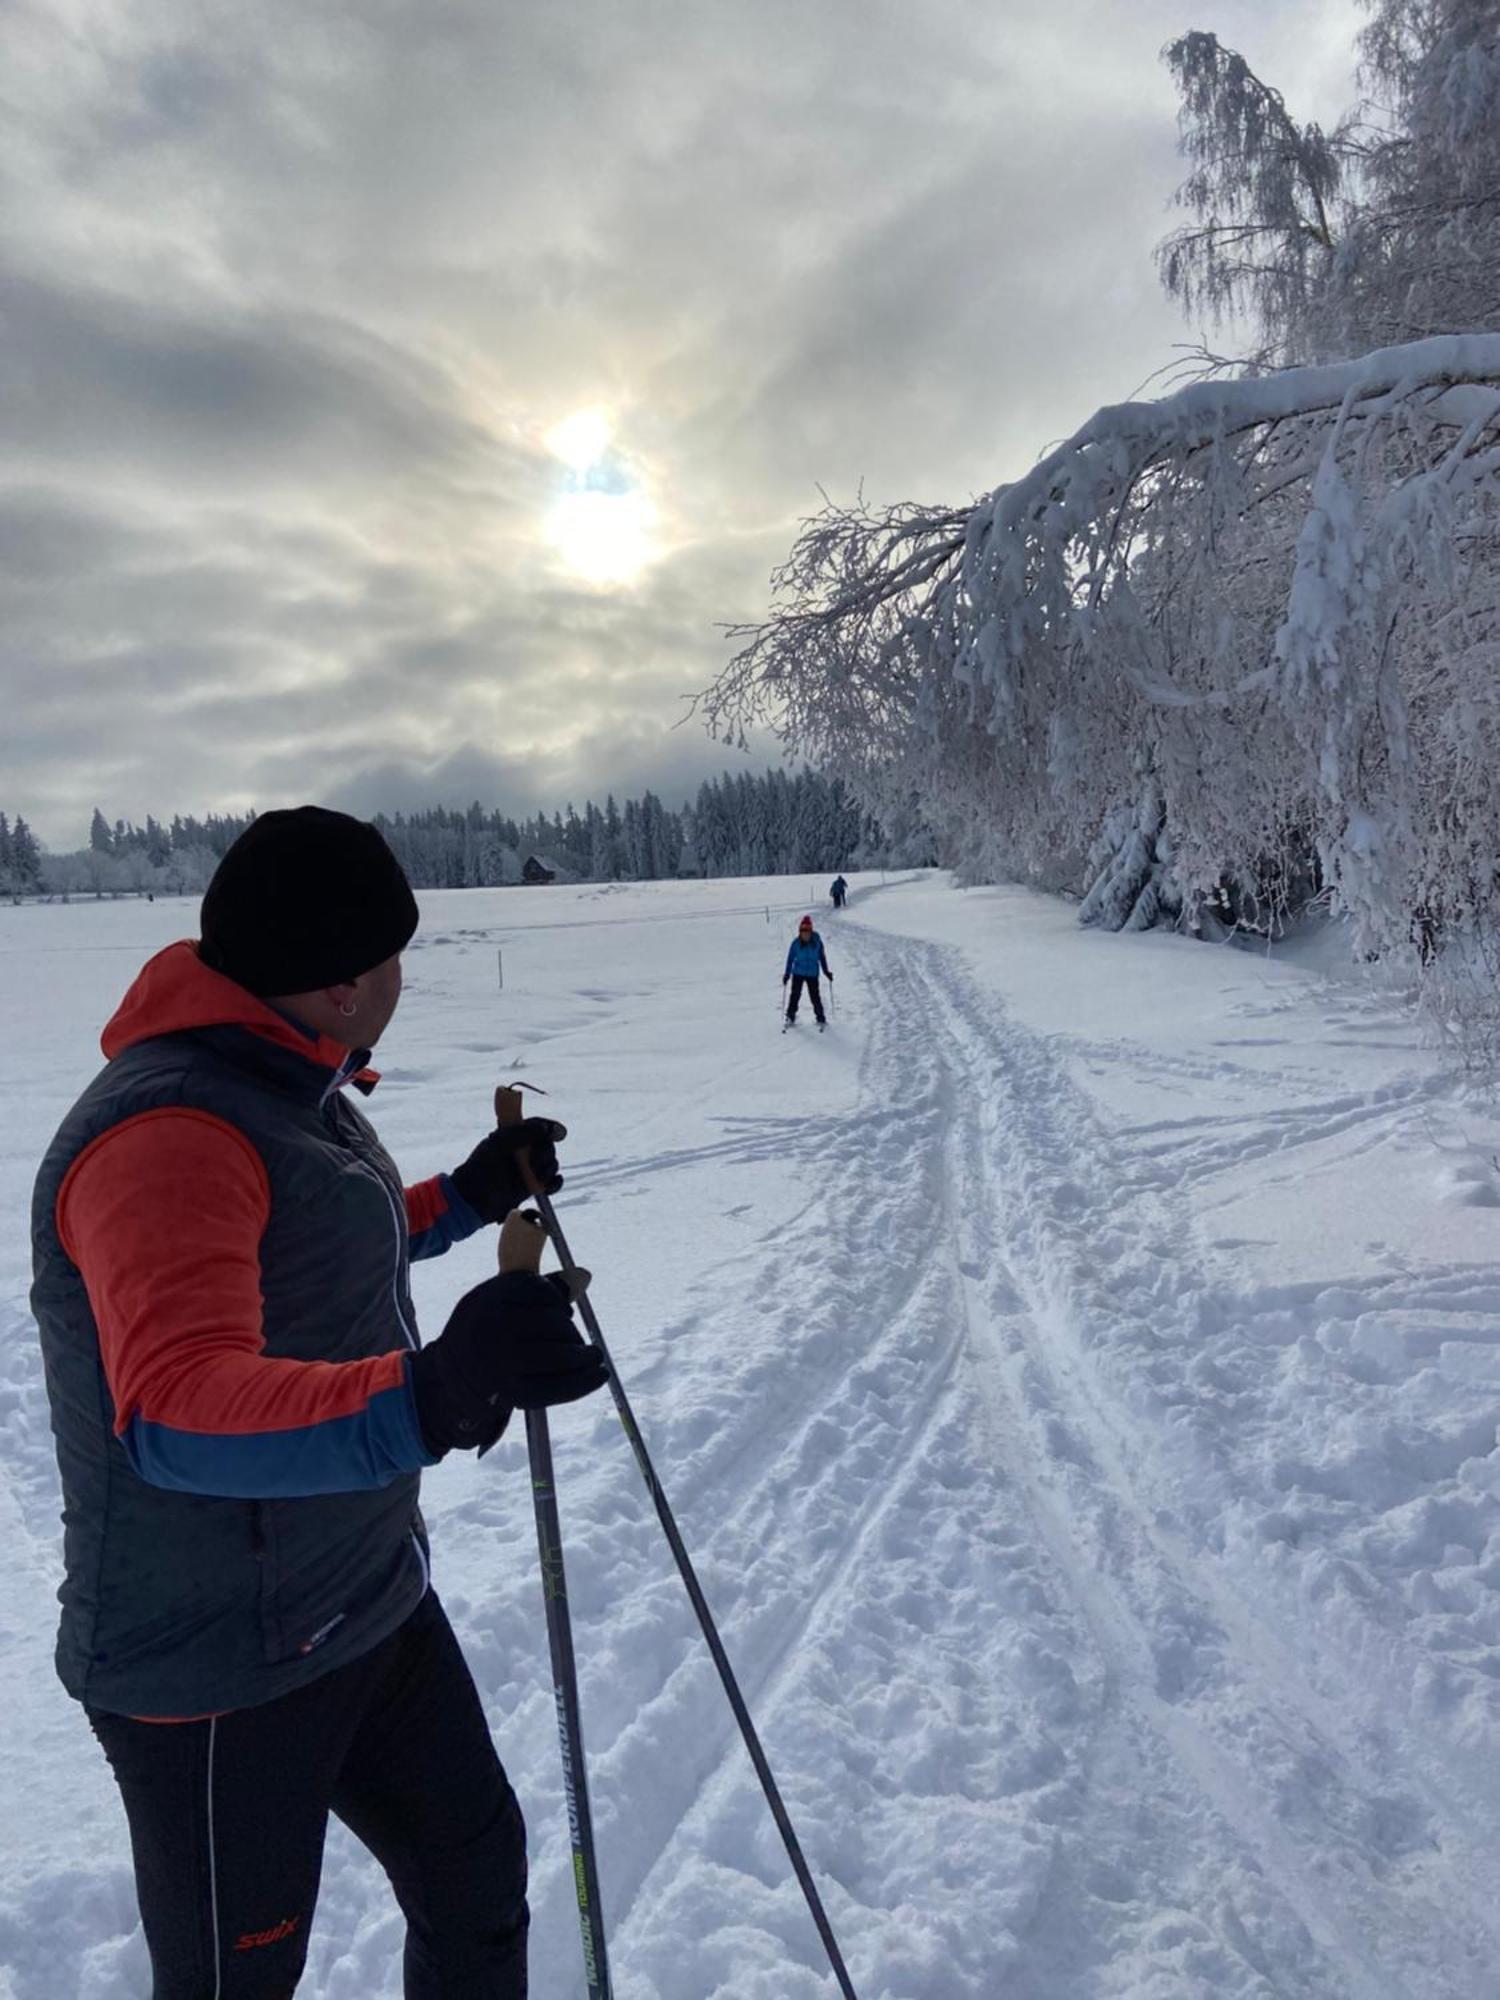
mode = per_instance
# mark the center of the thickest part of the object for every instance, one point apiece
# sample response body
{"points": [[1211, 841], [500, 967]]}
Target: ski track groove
{"points": [[777, 1672], [1054, 1351], [860, 1135], [1120, 1635]]}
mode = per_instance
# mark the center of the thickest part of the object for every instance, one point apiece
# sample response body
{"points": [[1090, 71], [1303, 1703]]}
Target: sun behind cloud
{"points": [[580, 440], [601, 524], [603, 537]]}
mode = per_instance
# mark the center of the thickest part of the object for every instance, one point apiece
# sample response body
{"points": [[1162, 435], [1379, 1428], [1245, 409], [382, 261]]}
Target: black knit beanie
{"points": [[305, 898]]}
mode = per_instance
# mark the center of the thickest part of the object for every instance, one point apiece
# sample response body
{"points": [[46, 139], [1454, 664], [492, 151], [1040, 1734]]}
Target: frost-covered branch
{"points": [[1262, 186], [1212, 612]]}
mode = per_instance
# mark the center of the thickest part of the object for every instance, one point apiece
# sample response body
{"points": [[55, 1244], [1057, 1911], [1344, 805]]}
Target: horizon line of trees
{"points": [[773, 823]]}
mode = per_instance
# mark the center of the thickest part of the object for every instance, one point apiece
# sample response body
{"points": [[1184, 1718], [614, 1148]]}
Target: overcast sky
{"points": [[297, 301]]}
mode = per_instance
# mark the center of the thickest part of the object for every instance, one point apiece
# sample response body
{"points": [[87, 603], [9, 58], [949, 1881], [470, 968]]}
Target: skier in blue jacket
{"points": [[805, 958]]}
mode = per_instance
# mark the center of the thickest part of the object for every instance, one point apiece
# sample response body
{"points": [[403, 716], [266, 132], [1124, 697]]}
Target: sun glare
{"points": [[580, 440], [601, 524], [604, 537]]}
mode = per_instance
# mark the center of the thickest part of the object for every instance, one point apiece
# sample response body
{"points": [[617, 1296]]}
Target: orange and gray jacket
{"points": [[221, 1250]]}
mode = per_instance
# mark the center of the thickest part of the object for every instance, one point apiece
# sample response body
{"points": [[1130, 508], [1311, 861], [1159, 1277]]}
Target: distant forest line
{"points": [[774, 823]]}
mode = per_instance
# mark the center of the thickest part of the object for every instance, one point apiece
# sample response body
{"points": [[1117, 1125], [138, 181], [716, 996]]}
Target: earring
{"points": [[348, 1009]]}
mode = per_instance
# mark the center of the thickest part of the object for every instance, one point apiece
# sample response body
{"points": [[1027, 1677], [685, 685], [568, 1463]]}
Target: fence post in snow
{"points": [[500, 967]]}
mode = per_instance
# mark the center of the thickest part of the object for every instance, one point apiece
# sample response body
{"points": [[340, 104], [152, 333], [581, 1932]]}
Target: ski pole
{"points": [[694, 1589], [522, 1239]]}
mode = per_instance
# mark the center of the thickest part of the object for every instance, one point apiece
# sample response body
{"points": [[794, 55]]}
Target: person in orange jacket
{"points": [[243, 1406]]}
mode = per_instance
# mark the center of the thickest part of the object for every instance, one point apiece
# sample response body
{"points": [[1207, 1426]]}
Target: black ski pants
{"points": [[798, 982], [227, 1817]]}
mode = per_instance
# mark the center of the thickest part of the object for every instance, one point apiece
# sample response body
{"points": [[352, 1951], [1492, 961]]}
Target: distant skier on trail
{"points": [[805, 958], [838, 889], [242, 1407]]}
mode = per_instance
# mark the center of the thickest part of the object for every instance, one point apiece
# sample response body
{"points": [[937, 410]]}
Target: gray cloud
{"points": [[290, 297], [671, 762], [228, 401]]}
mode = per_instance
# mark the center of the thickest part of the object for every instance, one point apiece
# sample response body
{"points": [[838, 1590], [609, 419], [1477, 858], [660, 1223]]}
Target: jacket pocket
{"points": [[263, 1540], [323, 1571]]}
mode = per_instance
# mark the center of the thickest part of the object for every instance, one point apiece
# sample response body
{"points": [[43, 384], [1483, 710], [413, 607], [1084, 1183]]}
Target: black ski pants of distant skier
{"points": [[227, 1817], [798, 982]]}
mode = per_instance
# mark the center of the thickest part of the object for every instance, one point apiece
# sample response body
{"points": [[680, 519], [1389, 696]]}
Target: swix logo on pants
{"points": [[274, 1935]]}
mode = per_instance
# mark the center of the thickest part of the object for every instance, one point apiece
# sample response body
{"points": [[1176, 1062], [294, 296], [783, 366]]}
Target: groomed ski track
{"points": [[968, 1560]]}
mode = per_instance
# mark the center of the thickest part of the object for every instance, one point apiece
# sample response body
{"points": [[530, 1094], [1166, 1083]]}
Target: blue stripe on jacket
{"points": [[452, 1227], [369, 1447]]}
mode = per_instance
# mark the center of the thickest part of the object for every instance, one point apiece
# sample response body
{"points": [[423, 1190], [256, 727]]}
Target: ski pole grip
{"points": [[523, 1238], [509, 1110]]}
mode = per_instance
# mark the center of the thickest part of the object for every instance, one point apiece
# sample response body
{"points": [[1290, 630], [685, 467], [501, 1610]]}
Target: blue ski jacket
{"points": [[807, 960]]}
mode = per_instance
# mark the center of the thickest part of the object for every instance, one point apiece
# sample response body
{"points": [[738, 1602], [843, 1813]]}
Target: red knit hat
{"points": [[806, 924]]}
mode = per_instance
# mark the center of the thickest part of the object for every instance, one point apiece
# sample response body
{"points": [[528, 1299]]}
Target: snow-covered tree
{"points": [[1222, 650], [1382, 232], [1235, 612], [20, 858], [1263, 190], [1421, 245]]}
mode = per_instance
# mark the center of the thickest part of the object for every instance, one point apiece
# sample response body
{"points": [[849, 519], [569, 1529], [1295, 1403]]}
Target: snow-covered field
{"points": [[1077, 1376]]}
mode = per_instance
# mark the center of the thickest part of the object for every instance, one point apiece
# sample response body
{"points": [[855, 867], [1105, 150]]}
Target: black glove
{"points": [[490, 1179], [509, 1344], [785, 977]]}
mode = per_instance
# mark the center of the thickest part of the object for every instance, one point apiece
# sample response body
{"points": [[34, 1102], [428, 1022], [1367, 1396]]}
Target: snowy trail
{"points": [[1226, 1707], [1199, 1781], [1097, 1491], [866, 1490]]}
